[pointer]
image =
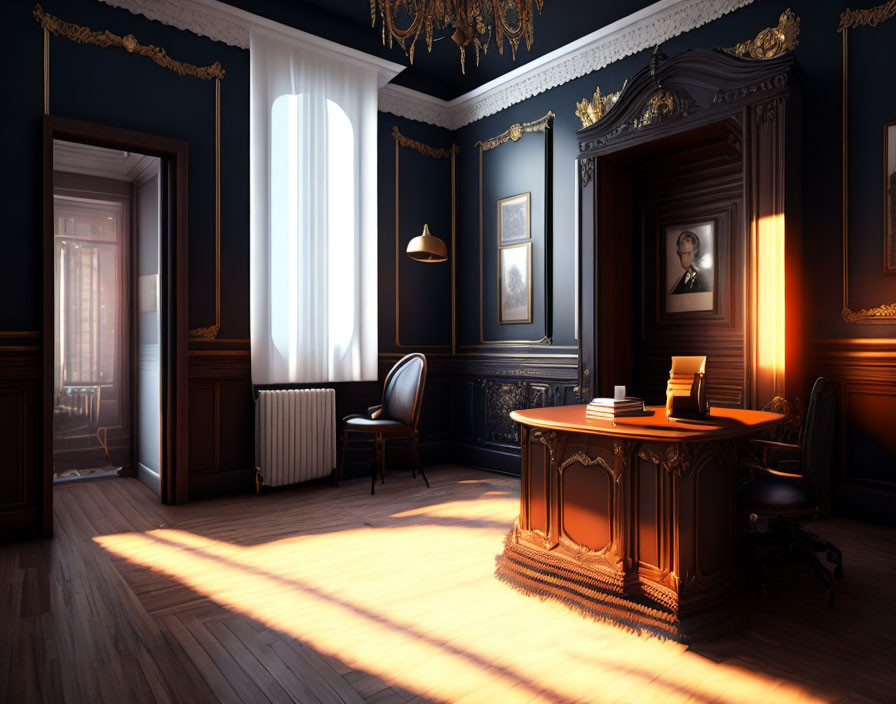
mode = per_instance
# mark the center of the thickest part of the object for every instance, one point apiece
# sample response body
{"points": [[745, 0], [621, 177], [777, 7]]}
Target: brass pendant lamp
{"points": [[427, 248]]}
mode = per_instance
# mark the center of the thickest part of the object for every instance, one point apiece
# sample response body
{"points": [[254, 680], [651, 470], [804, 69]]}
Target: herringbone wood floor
{"points": [[317, 594]]}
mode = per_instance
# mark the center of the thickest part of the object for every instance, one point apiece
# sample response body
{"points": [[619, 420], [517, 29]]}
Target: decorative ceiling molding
{"points": [[228, 24], [641, 30], [415, 105]]}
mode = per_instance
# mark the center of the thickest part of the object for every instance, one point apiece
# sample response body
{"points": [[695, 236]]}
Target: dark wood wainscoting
{"points": [[21, 480], [222, 419], [485, 388], [864, 479]]}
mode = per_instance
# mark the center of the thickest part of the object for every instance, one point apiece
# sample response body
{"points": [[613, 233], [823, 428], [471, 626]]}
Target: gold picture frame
{"points": [[889, 197], [515, 284], [884, 313], [514, 219]]}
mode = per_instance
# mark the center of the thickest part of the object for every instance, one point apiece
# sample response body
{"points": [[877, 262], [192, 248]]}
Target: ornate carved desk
{"points": [[633, 520]]}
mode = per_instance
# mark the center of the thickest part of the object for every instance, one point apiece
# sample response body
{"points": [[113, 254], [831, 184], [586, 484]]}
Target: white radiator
{"points": [[295, 435]]}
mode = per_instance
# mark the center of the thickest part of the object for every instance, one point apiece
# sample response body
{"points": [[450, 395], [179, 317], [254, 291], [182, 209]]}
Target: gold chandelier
{"points": [[474, 22]]}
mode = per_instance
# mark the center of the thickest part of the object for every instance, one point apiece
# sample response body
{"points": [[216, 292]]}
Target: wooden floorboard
{"points": [[318, 594]]}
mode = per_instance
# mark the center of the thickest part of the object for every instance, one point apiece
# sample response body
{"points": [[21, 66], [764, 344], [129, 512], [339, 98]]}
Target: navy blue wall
{"points": [[121, 89], [871, 104], [113, 87], [110, 86]]}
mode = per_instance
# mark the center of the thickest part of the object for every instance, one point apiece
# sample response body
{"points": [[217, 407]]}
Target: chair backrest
{"points": [[403, 390], [817, 441]]}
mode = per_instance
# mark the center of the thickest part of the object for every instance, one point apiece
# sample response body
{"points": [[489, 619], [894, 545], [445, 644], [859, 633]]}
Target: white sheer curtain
{"points": [[312, 186]]}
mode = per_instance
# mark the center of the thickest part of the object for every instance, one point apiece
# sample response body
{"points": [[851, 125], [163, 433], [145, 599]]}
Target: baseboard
{"points": [[503, 461], [213, 484]]}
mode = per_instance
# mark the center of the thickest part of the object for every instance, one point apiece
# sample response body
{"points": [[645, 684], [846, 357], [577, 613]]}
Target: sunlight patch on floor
{"points": [[417, 605]]}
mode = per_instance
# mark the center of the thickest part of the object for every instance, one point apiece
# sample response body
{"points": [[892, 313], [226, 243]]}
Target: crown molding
{"points": [[415, 105], [641, 30], [230, 25]]}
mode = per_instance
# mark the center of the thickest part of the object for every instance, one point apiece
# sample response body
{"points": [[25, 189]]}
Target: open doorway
{"points": [[114, 308], [107, 217]]}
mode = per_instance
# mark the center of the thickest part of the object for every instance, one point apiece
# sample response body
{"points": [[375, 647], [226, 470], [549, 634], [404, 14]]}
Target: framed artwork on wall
{"points": [[889, 188], [515, 283], [689, 261], [513, 219]]}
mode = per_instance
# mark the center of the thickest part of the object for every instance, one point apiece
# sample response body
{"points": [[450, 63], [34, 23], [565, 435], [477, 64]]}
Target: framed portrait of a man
{"points": [[515, 283], [513, 219], [689, 256], [890, 198]]}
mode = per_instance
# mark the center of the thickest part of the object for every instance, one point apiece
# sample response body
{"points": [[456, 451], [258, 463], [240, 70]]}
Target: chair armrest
{"points": [[771, 452], [776, 446], [374, 411], [755, 467], [781, 473]]}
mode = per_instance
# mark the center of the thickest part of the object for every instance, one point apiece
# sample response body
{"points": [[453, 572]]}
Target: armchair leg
{"points": [[377, 464], [341, 468], [417, 465]]}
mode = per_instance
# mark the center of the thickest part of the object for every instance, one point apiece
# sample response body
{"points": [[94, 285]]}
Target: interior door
{"points": [[148, 411]]}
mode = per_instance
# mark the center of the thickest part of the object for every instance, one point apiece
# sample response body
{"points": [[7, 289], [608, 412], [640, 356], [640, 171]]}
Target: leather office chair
{"points": [[795, 491], [396, 417]]}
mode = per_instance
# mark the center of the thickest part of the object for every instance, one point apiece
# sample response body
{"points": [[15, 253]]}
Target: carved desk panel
{"points": [[634, 517]]}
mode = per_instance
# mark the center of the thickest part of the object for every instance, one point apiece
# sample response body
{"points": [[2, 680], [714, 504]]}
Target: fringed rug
{"points": [[547, 576]]}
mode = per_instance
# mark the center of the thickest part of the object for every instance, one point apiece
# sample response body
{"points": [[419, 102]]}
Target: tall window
{"points": [[88, 272], [313, 217]]}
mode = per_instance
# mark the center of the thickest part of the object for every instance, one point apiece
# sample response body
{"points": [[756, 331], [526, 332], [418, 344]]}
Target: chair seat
{"points": [[391, 428], [775, 496]]}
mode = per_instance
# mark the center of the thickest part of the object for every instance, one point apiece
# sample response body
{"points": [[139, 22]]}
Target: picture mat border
{"points": [[528, 199], [500, 281]]}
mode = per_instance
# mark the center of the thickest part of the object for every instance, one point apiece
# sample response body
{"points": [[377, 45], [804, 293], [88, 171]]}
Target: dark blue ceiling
{"points": [[438, 73]]}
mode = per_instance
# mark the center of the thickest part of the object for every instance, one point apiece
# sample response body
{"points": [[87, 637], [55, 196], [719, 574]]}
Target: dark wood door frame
{"points": [[175, 157]]}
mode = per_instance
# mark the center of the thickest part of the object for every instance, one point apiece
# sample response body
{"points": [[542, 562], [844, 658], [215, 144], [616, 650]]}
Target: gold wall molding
{"points": [[515, 131], [873, 16], [884, 313], [84, 35], [422, 148], [772, 41], [590, 111], [434, 153], [513, 134]]}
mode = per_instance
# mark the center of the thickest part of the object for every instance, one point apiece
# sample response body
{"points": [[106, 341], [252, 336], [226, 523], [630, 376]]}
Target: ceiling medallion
{"points": [[473, 21]]}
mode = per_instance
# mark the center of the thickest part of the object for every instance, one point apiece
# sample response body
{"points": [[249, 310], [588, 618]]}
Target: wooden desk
{"points": [[633, 519]]}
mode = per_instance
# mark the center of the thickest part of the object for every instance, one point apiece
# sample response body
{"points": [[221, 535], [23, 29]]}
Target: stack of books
{"points": [[610, 408]]}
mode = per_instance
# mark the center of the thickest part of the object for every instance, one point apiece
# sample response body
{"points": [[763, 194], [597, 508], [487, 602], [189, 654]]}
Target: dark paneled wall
{"points": [[460, 422], [870, 106], [686, 185]]}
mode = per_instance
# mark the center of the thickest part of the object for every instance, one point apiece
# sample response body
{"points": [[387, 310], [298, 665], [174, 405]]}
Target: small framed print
{"points": [[515, 283], [689, 253], [890, 198], [513, 219]]}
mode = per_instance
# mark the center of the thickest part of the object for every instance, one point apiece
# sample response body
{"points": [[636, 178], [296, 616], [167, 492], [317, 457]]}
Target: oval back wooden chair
{"points": [[396, 417]]}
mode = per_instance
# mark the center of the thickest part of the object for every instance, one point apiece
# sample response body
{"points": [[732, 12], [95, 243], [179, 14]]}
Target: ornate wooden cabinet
{"points": [[705, 135]]}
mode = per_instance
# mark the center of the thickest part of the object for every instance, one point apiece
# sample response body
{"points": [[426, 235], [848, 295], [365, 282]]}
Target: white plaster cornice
{"points": [[415, 105], [641, 30]]}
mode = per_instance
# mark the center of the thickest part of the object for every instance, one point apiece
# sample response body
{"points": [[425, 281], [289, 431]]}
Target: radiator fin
{"points": [[295, 435]]}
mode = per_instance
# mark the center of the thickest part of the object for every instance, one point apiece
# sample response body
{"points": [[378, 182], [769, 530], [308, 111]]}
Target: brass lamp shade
{"points": [[427, 248]]}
